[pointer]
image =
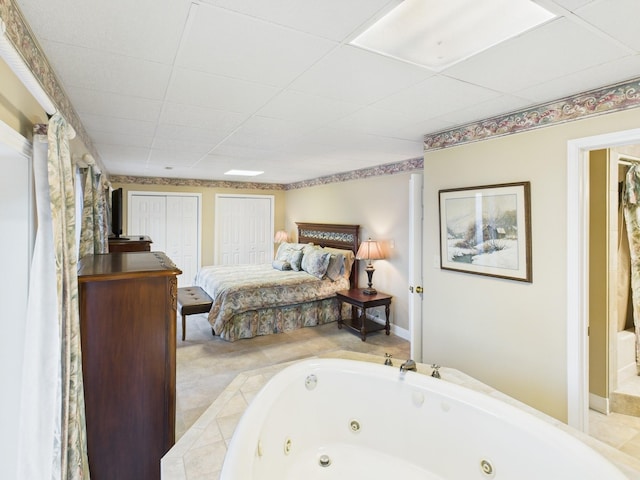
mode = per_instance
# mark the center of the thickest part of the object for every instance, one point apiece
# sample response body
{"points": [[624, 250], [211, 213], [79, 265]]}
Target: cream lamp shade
{"points": [[369, 250]]}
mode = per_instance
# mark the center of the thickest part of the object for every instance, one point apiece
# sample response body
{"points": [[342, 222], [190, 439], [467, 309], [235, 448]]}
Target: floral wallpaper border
{"points": [[387, 169], [20, 35], [613, 98]]}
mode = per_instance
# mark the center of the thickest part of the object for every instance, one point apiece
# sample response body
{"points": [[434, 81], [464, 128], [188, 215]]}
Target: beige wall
{"points": [[509, 334], [380, 205], [18, 108], [598, 277], [208, 209]]}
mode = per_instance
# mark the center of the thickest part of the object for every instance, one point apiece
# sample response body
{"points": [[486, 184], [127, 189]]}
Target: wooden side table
{"points": [[361, 301]]}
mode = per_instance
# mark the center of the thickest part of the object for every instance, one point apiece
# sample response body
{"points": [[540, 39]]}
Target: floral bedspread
{"points": [[236, 289]]}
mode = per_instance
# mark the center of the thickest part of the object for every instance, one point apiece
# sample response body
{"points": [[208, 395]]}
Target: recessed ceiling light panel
{"points": [[439, 33], [244, 173]]}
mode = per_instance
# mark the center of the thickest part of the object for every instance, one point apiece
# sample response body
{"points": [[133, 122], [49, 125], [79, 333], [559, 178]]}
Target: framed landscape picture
{"points": [[486, 230]]}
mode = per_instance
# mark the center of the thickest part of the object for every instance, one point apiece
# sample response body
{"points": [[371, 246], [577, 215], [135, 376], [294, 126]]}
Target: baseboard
{"points": [[396, 330], [599, 404]]}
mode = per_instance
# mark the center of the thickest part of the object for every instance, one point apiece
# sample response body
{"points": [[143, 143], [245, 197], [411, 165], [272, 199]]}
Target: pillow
{"points": [[349, 258], [335, 269], [281, 265], [292, 253], [295, 259], [315, 262]]}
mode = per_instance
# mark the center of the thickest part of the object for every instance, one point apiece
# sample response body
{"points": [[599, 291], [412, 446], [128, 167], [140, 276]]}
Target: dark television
{"points": [[116, 212]]}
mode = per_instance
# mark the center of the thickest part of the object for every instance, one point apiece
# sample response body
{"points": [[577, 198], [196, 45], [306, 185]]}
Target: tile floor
{"points": [[206, 365]]}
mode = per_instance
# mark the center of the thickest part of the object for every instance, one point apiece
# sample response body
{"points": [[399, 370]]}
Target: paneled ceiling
{"points": [[191, 89]]}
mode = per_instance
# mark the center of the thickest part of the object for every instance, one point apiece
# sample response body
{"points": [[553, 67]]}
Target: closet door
{"points": [[148, 216], [244, 229], [182, 236], [173, 223]]}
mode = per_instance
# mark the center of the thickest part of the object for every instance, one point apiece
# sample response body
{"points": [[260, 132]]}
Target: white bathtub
{"points": [[342, 419]]}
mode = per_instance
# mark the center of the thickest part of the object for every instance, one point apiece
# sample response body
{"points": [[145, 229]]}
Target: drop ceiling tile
{"points": [[189, 134], [552, 50], [146, 29], [418, 130], [374, 121], [486, 109], [261, 52], [101, 123], [305, 108], [595, 77], [123, 155], [221, 93], [121, 139], [334, 19], [359, 76], [114, 105], [190, 147], [434, 97], [266, 133], [107, 72], [618, 18], [205, 118], [173, 158]]}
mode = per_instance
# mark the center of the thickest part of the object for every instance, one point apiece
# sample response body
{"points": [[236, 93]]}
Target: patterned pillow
{"points": [[335, 269], [315, 262], [291, 253], [281, 265], [295, 259]]}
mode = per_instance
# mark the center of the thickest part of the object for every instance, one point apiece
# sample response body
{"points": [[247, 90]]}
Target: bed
{"points": [[296, 290]]}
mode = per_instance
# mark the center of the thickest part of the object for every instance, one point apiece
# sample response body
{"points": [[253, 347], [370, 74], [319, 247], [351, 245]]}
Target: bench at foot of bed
{"points": [[192, 300]]}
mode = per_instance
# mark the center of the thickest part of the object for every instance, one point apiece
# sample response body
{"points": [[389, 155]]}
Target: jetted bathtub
{"points": [[342, 419]]}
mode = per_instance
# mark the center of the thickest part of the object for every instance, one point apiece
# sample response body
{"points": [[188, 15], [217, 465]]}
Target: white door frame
{"points": [[578, 268], [415, 264], [131, 193]]}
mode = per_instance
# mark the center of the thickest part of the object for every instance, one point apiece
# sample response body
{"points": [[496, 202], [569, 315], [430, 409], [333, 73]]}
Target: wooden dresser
{"points": [[128, 330], [134, 243]]}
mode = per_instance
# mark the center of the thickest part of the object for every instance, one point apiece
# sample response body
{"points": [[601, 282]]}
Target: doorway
{"points": [[577, 268]]}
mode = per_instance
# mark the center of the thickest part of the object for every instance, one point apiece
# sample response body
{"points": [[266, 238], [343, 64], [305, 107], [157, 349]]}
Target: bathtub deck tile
{"points": [[201, 461]]}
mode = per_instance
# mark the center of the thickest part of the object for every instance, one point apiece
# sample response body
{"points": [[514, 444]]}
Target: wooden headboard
{"points": [[335, 236]]}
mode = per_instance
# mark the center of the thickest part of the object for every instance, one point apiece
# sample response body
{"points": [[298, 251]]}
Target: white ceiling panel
{"points": [[618, 18], [541, 55], [113, 105], [145, 29], [605, 74], [374, 121], [262, 52], [305, 108], [200, 85], [201, 117], [116, 125], [109, 72], [426, 100], [333, 19], [356, 75], [217, 92]]}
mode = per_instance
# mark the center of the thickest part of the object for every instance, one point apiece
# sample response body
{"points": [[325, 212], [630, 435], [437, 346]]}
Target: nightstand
{"points": [[361, 301]]}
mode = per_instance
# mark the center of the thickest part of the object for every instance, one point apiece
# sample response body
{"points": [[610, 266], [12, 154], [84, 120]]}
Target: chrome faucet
{"points": [[408, 365], [387, 359], [436, 371]]}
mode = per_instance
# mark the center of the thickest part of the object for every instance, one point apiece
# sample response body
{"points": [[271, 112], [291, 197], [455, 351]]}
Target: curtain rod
{"points": [[18, 66]]}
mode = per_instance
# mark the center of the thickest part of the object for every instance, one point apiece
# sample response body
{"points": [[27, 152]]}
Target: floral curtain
{"points": [[631, 201], [73, 457], [95, 227]]}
